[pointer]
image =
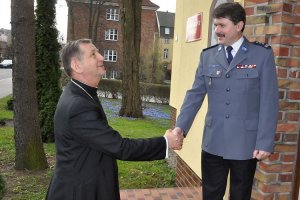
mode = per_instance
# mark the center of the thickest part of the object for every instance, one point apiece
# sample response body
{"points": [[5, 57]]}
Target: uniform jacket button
{"points": [[228, 89], [227, 76], [227, 116]]}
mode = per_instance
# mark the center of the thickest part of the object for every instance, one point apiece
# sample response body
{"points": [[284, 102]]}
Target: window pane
{"points": [[166, 53], [167, 31]]}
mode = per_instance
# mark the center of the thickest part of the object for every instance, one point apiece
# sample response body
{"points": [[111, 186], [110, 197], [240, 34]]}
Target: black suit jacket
{"points": [[87, 149]]}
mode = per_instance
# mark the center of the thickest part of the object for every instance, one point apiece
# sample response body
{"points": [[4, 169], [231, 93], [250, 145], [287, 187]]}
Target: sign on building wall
{"points": [[194, 28]]}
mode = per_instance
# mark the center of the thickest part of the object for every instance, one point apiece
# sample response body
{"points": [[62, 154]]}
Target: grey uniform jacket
{"points": [[242, 101]]}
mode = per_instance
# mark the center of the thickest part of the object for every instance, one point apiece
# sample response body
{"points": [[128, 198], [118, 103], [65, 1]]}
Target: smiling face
{"points": [[89, 67], [227, 32]]}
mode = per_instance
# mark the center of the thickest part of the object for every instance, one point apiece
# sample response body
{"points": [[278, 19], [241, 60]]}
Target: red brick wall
{"points": [[149, 27], [185, 176], [277, 22]]}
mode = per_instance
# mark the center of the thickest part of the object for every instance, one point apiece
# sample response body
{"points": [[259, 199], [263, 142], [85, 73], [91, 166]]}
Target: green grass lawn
{"points": [[21, 185]]}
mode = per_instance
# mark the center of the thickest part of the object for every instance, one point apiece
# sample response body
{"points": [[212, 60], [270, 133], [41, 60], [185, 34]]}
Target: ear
{"points": [[75, 65], [240, 25]]}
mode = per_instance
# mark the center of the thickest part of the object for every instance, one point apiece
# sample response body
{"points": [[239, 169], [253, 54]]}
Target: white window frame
{"points": [[105, 75], [111, 34], [167, 30], [112, 14], [113, 74], [166, 53], [110, 55]]}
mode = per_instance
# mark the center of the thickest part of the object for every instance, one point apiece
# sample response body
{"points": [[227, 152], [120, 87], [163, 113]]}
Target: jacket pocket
{"points": [[247, 73], [213, 71], [251, 124]]}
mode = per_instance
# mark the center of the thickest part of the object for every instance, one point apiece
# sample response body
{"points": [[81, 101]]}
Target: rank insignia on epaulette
{"points": [[244, 48], [265, 45], [210, 47]]}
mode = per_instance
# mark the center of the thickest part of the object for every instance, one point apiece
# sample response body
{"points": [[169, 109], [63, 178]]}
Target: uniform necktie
{"points": [[229, 55]]}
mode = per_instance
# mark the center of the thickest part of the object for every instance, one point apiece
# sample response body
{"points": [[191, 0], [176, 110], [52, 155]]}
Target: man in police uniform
{"points": [[239, 78]]}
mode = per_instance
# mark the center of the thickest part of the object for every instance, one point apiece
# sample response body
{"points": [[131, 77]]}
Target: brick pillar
{"points": [[277, 22]]}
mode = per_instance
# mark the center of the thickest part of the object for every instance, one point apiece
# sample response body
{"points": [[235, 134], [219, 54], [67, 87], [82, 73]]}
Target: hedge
{"points": [[112, 88]]}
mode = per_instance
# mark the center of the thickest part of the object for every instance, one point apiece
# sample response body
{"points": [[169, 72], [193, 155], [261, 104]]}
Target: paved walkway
{"points": [[186, 193]]}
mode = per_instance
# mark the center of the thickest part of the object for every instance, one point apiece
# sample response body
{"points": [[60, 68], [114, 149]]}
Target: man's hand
{"points": [[177, 131], [260, 155], [174, 140]]}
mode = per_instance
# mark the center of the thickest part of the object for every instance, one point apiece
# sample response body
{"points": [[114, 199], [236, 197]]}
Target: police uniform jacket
{"points": [[87, 149], [242, 101]]}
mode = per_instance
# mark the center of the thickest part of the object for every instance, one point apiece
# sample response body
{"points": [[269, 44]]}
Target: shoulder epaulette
{"points": [[265, 45], [210, 47]]}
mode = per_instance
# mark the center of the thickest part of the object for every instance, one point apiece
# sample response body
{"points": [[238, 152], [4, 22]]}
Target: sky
{"points": [[61, 13]]}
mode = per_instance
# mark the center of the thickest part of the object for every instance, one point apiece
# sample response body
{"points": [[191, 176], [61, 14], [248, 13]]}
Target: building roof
{"points": [[149, 3], [166, 19]]}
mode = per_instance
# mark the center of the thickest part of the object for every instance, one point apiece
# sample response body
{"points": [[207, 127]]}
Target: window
{"points": [[110, 55], [113, 74], [167, 31], [166, 53], [112, 14], [111, 34], [105, 75], [110, 75]]}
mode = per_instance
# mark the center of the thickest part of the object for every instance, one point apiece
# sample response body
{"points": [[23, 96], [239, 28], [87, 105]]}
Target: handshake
{"points": [[175, 138]]}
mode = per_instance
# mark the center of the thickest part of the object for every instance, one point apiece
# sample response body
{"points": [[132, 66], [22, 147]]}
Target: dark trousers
{"points": [[215, 170]]}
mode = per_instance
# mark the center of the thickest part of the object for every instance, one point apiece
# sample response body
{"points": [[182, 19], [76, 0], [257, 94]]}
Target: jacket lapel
{"points": [[221, 57], [240, 55]]}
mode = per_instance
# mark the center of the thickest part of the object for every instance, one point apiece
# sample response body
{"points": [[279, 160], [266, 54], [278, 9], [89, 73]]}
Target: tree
{"points": [[29, 148], [151, 65], [48, 67], [131, 30]]}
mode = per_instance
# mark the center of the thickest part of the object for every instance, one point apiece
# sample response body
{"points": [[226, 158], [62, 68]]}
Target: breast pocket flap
{"points": [[247, 73], [213, 71]]}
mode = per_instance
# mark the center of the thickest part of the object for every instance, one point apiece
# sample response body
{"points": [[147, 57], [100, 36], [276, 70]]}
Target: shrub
{"points": [[112, 88], [10, 105], [64, 78], [150, 92], [155, 92], [47, 66], [2, 187]]}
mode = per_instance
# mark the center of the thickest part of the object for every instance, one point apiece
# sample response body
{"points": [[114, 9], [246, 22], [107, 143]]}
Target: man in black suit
{"points": [[86, 146]]}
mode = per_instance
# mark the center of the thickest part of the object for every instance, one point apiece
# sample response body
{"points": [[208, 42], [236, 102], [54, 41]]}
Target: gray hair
{"points": [[70, 50]]}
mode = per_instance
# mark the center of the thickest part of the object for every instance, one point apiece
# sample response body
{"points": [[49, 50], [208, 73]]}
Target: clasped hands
{"points": [[175, 138]]}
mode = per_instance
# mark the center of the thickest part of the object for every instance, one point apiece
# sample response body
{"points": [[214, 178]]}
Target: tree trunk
{"points": [[96, 17], [29, 148], [131, 30]]}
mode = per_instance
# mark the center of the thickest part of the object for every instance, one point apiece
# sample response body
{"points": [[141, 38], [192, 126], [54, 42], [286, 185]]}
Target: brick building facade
{"points": [[107, 36], [276, 22]]}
